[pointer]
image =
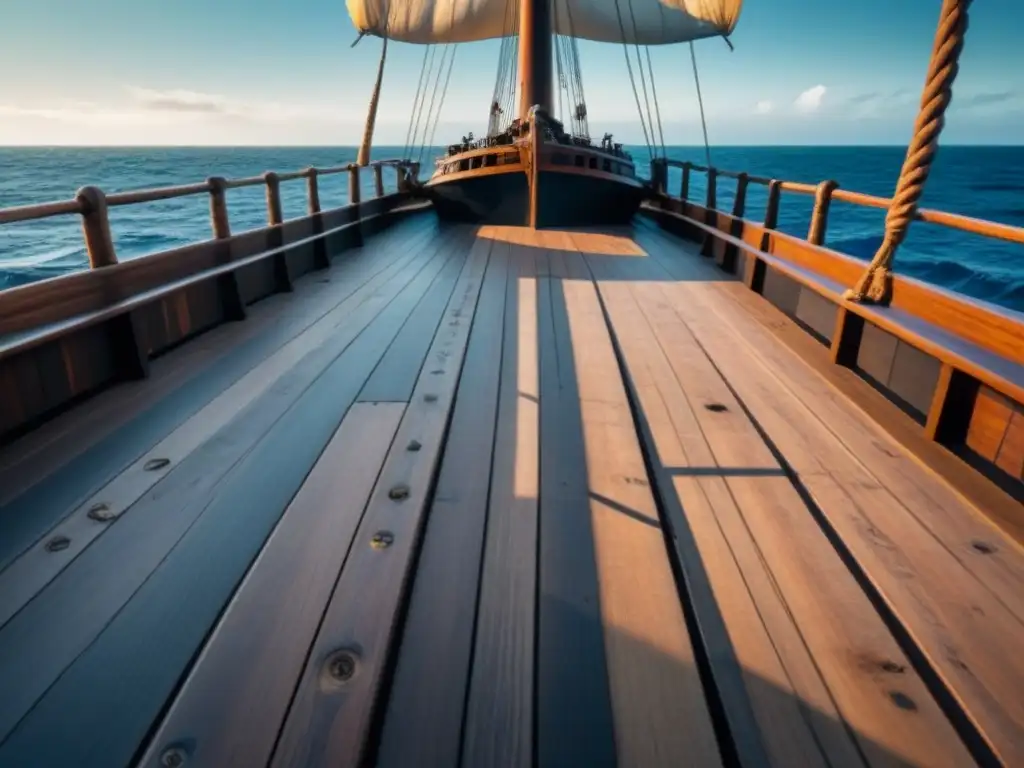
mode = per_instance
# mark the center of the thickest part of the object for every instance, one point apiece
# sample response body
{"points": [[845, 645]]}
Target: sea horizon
{"points": [[980, 181]]}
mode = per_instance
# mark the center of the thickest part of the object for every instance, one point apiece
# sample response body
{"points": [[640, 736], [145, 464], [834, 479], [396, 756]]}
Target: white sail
{"points": [[646, 22]]}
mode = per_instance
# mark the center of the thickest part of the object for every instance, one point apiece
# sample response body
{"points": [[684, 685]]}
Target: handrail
{"points": [[92, 203], [992, 229]]}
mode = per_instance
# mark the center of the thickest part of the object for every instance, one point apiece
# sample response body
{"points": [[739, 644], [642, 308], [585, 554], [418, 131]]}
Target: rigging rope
{"points": [[444, 92], [632, 80], [433, 97], [657, 107], [643, 80], [700, 101], [423, 100], [875, 285]]}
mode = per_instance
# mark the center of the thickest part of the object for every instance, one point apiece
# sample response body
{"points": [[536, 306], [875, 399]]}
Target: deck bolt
{"points": [[430, 398], [437, 372], [341, 665], [399, 492], [101, 512], [414, 445], [716, 407], [154, 464], [382, 539], [58, 543], [983, 547], [173, 757]]}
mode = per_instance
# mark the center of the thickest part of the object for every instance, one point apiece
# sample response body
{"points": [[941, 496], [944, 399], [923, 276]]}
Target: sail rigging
{"points": [[652, 22]]}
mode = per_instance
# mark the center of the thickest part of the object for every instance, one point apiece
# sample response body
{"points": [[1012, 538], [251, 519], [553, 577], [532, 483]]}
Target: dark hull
{"points": [[563, 199]]}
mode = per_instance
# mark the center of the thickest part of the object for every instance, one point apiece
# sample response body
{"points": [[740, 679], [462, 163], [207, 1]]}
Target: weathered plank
{"points": [[574, 718], [235, 699], [499, 708], [87, 466], [965, 633], [49, 632], [652, 671], [423, 721], [333, 707], [394, 378], [36, 567]]}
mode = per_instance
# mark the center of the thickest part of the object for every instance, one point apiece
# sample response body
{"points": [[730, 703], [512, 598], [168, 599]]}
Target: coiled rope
{"points": [[875, 285]]}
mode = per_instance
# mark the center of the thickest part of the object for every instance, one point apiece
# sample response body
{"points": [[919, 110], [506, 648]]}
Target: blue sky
{"points": [[275, 72]]}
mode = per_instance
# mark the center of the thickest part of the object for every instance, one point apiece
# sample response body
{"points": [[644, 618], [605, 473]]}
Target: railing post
{"points": [[712, 199], [353, 185], [739, 206], [710, 214], [231, 296], [729, 251], [755, 269], [684, 189], [819, 216], [312, 191], [275, 218], [378, 180], [99, 243]]}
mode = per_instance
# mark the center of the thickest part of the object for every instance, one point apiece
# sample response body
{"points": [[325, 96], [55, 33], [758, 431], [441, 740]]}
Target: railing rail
{"points": [[92, 204], [824, 193]]}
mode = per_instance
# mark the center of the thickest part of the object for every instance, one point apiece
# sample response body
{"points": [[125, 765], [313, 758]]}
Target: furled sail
{"points": [[646, 22]]}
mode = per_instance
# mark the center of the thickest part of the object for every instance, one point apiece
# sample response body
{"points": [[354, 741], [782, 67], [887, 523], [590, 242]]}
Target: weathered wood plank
{"points": [[499, 708], [91, 452], [395, 376], [36, 567], [54, 628], [574, 717], [652, 670], [333, 707], [423, 722], [235, 699], [961, 626]]}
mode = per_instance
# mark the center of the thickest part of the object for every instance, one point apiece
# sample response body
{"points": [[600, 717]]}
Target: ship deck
{"points": [[496, 497]]}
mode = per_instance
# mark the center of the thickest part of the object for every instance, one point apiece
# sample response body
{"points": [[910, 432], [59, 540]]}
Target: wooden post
{"points": [[771, 212], [354, 197], [819, 216], [684, 191], [312, 191], [230, 293], [219, 221], [712, 199], [378, 180], [321, 257], [275, 218], [730, 253], [274, 214], [740, 205], [710, 214], [99, 243]]}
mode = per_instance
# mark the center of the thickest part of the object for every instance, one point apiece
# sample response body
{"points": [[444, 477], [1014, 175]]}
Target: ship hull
{"points": [[564, 199]]}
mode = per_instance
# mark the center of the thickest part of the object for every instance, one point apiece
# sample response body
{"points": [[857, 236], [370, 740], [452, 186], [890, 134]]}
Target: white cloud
{"points": [[763, 107], [810, 100]]}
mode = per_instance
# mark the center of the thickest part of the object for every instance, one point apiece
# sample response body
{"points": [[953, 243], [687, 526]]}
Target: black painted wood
{"points": [[574, 716], [423, 718], [171, 613]]}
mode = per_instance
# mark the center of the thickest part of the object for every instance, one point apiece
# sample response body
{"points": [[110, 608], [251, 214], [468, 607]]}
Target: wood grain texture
{"points": [[328, 721], [36, 567], [59, 451], [57, 626], [651, 666], [574, 712], [423, 720], [498, 727], [236, 696], [910, 535]]}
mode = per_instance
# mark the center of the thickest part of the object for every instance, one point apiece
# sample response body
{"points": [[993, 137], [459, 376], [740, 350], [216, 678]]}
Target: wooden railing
{"points": [[823, 193], [93, 205]]}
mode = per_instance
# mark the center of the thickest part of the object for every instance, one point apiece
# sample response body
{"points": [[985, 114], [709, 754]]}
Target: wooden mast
{"points": [[371, 115], [535, 71]]}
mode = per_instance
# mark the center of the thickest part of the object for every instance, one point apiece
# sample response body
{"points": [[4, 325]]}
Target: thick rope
{"points": [[654, 94], [700, 102], [875, 286], [632, 81]]}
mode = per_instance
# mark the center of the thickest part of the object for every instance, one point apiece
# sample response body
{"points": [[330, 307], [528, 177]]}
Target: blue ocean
{"points": [[983, 182]]}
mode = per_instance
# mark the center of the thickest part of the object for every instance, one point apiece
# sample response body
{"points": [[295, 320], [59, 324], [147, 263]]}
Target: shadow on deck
{"points": [[494, 497]]}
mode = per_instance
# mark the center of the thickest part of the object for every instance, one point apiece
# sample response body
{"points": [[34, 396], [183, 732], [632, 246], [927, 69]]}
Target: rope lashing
{"points": [[875, 285]]}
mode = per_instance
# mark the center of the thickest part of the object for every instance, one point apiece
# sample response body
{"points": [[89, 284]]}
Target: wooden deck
{"points": [[496, 497]]}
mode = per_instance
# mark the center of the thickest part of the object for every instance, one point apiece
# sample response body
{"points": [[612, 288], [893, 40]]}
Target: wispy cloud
{"points": [[764, 107], [178, 101], [810, 100], [985, 99]]}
